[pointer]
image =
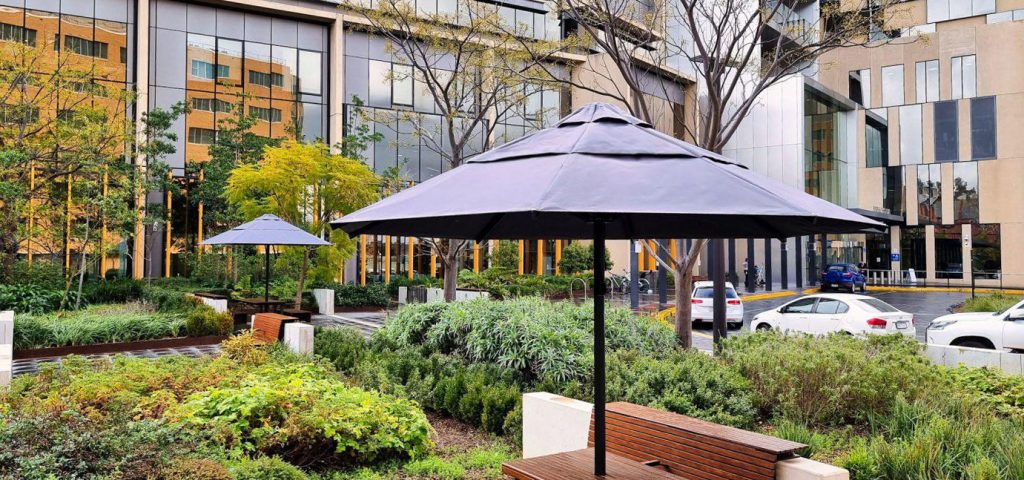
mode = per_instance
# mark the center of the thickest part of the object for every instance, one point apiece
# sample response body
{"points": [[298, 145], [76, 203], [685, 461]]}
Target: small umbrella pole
{"points": [[599, 368], [266, 273]]}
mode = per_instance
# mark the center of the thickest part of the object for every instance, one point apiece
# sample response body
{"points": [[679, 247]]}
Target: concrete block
{"points": [[324, 300], [800, 468], [1011, 363], [298, 337], [6, 346], [403, 295], [219, 305], [554, 424], [936, 353], [973, 357]]}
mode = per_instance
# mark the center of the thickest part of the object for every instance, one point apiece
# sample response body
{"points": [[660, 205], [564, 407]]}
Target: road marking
{"points": [[702, 334]]}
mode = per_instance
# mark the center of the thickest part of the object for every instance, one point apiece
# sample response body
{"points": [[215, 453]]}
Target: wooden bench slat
{"points": [[683, 453], [669, 434], [756, 440], [579, 465], [692, 464]]}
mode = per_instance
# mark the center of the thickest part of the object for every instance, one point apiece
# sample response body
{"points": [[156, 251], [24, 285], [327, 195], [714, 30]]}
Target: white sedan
{"points": [[840, 312], [703, 300], [992, 330]]}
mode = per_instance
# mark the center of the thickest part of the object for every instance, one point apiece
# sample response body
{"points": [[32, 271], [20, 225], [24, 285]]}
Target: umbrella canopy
{"points": [[601, 173], [266, 230], [601, 162]]}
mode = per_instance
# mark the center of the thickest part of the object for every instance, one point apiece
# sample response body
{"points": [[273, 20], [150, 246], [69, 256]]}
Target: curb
{"points": [[767, 295]]}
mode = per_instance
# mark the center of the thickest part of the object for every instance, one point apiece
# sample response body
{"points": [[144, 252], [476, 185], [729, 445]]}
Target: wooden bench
{"points": [[301, 315], [269, 327], [691, 448]]}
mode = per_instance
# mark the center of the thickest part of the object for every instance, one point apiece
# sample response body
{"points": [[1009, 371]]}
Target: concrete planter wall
{"points": [[6, 346], [556, 424], [407, 295], [298, 337], [1010, 363], [324, 300]]}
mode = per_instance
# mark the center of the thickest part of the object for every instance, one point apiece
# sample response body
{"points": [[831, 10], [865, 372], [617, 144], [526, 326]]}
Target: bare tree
{"points": [[734, 49], [471, 72]]}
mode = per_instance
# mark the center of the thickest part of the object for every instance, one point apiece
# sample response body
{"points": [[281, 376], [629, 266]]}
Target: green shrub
{"points": [[95, 324], [832, 380], [434, 467], [195, 469], [351, 295], [302, 412], [577, 257], [505, 284], [689, 383], [344, 347], [505, 256], [532, 335], [70, 445], [167, 298], [267, 468], [418, 280], [1001, 392], [113, 291], [204, 320], [990, 303], [28, 298], [938, 438]]}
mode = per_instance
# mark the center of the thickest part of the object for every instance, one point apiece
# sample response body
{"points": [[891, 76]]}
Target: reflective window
{"points": [[942, 10], [892, 195], [310, 72], [949, 252], [929, 194], [986, 249], [947, 145], [910, 134], [860, 87], [825, 166], [830, 306], [401, 84], [876, 148], [912, 250], [804, 305], [983, 128], [892, 85], [927, 76], [380, 86], [965, 192], [964, 81]]}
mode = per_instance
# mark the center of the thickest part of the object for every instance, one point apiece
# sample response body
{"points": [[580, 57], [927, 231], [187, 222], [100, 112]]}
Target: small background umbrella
{"points": [[267, 230], [567, 182]]}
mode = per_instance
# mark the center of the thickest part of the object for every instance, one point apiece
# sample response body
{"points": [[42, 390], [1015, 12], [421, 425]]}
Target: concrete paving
{"points": [[31, 365]]}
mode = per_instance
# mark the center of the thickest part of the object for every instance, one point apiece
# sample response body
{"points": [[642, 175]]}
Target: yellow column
{"points": [[540, 257], [672, 249], [387, 259], [167, 235], [31, 209], [558, 256], [476, 257], [103, 232], [522, 255], [199, 242], [409, 260], [362, 260], [67, 231], [433, 265]]}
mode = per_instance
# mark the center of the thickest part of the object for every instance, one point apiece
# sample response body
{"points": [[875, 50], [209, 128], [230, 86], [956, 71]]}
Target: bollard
{"points": [[6, 347], [324, 300], [298, 337]]}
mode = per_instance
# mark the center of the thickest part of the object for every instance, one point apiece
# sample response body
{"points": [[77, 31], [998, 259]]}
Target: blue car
{"points": [[843, 276]]}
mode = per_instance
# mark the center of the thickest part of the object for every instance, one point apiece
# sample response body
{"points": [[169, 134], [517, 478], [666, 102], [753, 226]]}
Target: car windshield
{"points": [[837, 268], [1007, 309], [878, 305], [709, 292]]}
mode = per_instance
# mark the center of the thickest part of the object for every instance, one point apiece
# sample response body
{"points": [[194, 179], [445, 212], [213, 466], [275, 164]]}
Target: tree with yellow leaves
{"points": [[306, 185]]}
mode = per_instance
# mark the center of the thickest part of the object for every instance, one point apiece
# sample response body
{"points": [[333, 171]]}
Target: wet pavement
{"points": [[926, 306]]}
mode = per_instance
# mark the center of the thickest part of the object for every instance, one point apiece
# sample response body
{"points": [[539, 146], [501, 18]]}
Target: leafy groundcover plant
{"points": [[95, 324], [183, 417]]}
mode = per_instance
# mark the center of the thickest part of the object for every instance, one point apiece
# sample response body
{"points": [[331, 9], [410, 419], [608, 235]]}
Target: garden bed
{"points": [[117, 347]]}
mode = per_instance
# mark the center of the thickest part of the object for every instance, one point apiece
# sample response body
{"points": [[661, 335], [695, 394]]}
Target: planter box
{"points": [[98, 348]]}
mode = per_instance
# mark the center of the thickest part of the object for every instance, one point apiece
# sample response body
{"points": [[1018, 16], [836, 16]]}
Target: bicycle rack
{"points": [[582, 281]]}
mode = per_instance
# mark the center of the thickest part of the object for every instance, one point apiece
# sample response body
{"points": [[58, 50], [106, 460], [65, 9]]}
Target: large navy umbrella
{"points": [[266, 230], [602, 174]]}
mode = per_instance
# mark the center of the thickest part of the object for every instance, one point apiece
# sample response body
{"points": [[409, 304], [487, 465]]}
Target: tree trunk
{"points": [[451, 270], [81, 269], [302, 278], [8, 243], [684, 307]]}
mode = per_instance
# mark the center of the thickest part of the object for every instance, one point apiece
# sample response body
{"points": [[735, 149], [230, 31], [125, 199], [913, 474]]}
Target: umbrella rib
{"points": [[489, 226]]}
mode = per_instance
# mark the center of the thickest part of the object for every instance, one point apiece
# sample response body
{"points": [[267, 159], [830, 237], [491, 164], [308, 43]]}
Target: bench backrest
{"points": [[691, 448], [269, 326]]}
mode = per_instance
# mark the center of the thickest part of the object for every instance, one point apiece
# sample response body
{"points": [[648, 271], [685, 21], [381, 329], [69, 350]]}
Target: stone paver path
{"points": [[31, 365]]}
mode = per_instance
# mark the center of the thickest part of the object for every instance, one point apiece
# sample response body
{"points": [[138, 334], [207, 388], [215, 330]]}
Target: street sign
{"points": [[894, 257]]}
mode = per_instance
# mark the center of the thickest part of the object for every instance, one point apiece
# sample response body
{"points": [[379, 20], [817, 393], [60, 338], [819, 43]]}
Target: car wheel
{"points": [[763, 327], [853, 287]]}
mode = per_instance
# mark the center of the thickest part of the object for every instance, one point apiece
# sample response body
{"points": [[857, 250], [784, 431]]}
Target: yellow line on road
{"points": [[767, 295], [702, 334]]}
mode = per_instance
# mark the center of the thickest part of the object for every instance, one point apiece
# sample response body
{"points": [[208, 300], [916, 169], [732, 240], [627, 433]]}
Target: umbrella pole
{"points": [[599, 367], [266, 273]]}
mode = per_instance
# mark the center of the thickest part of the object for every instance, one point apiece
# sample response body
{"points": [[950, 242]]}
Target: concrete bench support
{"points": [[324, 300], [298, 337], [6, 346]]}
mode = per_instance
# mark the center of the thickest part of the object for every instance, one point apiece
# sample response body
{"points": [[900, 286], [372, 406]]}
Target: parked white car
{"points": [[703, 300], [840, 312], [994, 330]]}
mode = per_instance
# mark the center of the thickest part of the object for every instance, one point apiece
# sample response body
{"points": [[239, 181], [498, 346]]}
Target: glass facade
{"points": [[947, 145], [965, 193], [949, 253], [927, 76], [983, 128], [892, 85], [911, 135], [986, 248], [825, 167], [876, 144], [912, 250], [929, 194], [893, 191], [964, 80]]}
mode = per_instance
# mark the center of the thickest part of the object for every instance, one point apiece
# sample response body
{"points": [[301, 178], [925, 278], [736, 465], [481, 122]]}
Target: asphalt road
{"points": [[926, 306]]}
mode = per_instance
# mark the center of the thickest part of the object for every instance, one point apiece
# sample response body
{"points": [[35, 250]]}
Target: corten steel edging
{"points": [[98, 348]]}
